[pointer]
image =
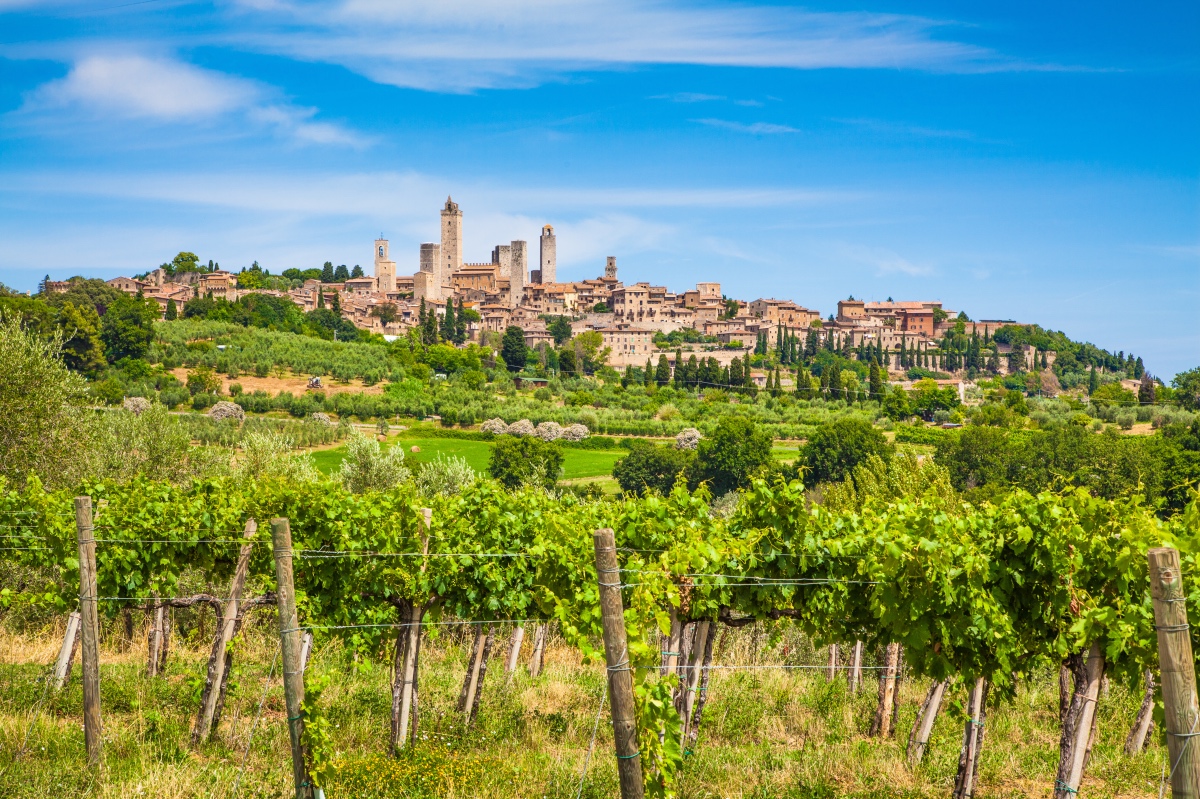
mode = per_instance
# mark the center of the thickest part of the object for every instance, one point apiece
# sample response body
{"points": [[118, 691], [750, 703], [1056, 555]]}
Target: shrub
{"points": [[728, 458], [446, 475], [526, 460], [549, 431], [322, 418], [521, 429], [269, 454], [836, 448], [136, 405], [688, 438], [650, 467], [574, 432], [367, 467], [227, 410]]}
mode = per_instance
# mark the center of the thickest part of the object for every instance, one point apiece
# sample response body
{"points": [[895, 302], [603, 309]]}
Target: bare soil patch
{"points": [[293, 384]]}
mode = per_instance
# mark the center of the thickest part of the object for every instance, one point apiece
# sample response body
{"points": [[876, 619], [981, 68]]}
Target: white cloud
{"points": [[462, 45], [756, 128], [168, 91], [688, 97], [883, 261]]}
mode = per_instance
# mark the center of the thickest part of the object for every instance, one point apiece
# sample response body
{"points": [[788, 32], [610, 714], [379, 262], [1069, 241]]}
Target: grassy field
{"points": [[577, 463], [765, 733]]}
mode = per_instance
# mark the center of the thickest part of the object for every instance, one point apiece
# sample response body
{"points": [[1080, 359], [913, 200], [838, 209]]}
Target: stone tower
{"points": [[517, 272], [385, 268], [451, 257], [610, 267], [548, 274], [502, 257], [426, 282]]}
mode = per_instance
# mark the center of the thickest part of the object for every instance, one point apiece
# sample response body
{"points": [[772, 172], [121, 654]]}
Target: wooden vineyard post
{"points": [[514, 649], [224, 634], [670, 655], [1177, 672], [831, 672], [882, 725], [62, 667], [616, 657], [90, 628], [154, 638], [305, 650], [968, 759], [1077, 729], [919, 740], [406, 718], [1136, 740], [289, 636], [856, 667], [539, 651]]}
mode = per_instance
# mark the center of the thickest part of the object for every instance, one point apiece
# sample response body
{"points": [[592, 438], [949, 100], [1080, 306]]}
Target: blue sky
{"points": [[1038, 162]]}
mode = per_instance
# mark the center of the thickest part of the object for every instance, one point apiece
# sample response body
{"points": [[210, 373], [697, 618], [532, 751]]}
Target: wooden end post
{"points": [[1178, 673], [89, 627], [620, 674], [289, 636]]}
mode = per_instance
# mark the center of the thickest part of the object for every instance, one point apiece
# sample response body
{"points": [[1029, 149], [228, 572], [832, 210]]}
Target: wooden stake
{"points": [[671, 650], [1073, 745], [289, 638], [620, 674], [918, 740], [90, 628], [514, 649], [693, 732], [221, 641], [695, 659], [831, 671], [305, 650], [62, 667], [466, 695], [1135, 742], [539, 651], [856, 667], [488, 640], [882, 725], [1177, 672], [154, 637], [407, 717], [968, 759]]}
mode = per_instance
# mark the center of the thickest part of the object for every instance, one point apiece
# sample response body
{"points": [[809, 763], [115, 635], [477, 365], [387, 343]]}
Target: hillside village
{"points": [[632, 319]]}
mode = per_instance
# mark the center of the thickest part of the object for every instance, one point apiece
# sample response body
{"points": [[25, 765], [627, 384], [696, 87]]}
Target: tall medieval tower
{"points": [[452, 242], [385, 268], [517, 272], [548, 274], [610, 268]]}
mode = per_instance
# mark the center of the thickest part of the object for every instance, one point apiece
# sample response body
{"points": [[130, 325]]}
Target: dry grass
{"points": [[766, 733]]}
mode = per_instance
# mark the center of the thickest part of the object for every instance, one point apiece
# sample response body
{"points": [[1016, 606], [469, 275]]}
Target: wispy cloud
{"points": [[883, 261], [756, 128], [688, 97], [169, 91], [903, 129], [462, 45]]}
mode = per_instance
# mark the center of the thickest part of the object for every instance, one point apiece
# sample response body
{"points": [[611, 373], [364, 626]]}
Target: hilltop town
{"points": [[632, 319]]}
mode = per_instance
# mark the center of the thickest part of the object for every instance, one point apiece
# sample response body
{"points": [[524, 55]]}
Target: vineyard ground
{"points": [[766, 733], [291, 383]]}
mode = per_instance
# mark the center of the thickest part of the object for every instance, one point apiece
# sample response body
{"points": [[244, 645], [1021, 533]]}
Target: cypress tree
{"points": [[172, 311], [448, 327], [693, 371], [876, 382], [336, 303], [320, 297], [648, 374], [327, 272], [1146, 391], [835, 383], [1093, 381], [460, 325]]}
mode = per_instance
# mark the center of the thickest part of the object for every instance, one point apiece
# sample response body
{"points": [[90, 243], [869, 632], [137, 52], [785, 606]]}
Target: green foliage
{"points": [[368, 468], [525, 461], [731, 455], [836, 448], [1187, 388], [652, 467], [513, 350], [127, 328]]}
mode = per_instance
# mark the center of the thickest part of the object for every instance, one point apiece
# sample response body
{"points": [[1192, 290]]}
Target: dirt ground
{"points": [[295, 384]]}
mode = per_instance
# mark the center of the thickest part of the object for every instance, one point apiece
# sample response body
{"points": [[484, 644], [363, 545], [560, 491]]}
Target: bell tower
{"points": [[452, 243], [548, 256], [385, 268]]}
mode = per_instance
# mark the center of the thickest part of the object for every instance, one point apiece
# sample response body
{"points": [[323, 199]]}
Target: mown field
{"points": [[767, 732]]}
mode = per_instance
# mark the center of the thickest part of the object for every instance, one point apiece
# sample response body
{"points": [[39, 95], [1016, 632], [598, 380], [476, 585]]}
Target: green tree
{"points": [[127, 328], [448, 327], [1093, 381], [560, 329], [82, 346], [1146, 392], [183, 262], [341, 274], [460, 323], [567, 363], [1187, 388], [662, 374], [327, 272], [356, 271], [45, 429], [512, 349], [172, 311], [385, 312], [652, 468], [429, 330], [876, 382], [526, 460], [835, 448], [727, 459]]}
